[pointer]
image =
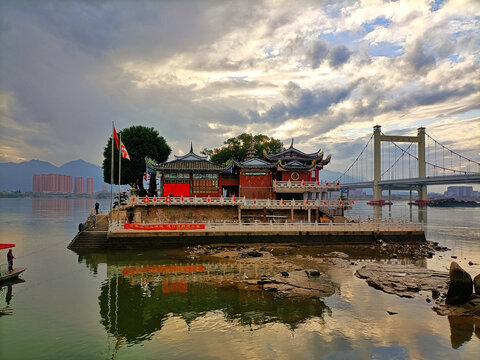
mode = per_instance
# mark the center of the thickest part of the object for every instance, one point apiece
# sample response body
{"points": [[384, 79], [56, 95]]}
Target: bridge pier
{"points": [[377, 160]]}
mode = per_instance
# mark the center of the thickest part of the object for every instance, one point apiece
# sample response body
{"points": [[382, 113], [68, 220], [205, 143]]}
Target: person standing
{"points": [[10, 258], [97, 208]]}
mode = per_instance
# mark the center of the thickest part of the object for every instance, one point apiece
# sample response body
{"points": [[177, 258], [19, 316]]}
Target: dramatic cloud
{"points": [[202, 71]]}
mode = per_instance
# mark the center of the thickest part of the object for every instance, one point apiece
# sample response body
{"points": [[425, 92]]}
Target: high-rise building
{"points": [[52, 183], [460, 192], [79, 185], [89, 185]]}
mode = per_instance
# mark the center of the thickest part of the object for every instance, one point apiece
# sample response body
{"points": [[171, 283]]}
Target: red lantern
{"points": [[326, 183]]}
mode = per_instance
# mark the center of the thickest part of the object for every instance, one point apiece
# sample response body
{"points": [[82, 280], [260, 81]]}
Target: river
{"points": [[95, 305]]}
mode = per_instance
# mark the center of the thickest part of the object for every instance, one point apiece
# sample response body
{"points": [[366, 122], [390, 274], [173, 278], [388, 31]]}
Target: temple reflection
{"points": [[137, 299]]}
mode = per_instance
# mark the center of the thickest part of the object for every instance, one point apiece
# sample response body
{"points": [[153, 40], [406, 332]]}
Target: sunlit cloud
{"points": [[322, 72]]}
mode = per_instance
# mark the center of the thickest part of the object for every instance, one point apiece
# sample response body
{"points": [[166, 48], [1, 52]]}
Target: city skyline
{"points": [[60, 183], [323, 73]]}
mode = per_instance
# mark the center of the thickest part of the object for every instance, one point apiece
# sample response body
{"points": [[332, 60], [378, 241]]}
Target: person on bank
{"points": [[97, 208], [10, 258]]}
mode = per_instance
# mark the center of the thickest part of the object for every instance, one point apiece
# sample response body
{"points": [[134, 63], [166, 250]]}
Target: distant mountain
{"points": [[19, 176]]}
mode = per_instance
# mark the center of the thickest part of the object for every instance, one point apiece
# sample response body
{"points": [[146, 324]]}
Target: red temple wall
{"points": [[176, 189], [256, 186], [302, 175]]}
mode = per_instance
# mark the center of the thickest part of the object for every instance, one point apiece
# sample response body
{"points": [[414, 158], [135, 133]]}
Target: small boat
{"points": [[6, 275]]}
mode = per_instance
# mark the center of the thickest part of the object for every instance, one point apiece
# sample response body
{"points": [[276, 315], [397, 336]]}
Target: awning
{"points": [[6, 246]]}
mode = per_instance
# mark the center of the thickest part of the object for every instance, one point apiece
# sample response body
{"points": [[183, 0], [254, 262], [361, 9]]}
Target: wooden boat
{"points": [[6, 275]]}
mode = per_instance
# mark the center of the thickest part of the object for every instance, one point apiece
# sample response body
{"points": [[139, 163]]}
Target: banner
{"points": [[163, 269], [164, 226]]}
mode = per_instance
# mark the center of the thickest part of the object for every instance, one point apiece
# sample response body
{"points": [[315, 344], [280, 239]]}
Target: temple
{"points": [[289, 174]]}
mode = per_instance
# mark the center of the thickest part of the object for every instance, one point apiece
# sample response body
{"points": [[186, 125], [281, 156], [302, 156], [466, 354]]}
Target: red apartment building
{"points": [[79, 185], [52, 183], [90, 186]]}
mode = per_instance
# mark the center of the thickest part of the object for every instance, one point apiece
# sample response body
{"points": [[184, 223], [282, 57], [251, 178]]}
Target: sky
{"points": [[321, 72]]}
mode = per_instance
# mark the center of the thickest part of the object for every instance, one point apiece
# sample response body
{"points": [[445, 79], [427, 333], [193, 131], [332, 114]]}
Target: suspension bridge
{"points": [[420, 161]]}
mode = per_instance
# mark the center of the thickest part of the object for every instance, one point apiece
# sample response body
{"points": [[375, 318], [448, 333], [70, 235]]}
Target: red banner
{"points": [[164, 269], [164, 226]]}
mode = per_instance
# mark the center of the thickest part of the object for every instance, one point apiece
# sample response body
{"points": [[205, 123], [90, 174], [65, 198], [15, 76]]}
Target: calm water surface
{"points": [[98, 306]]}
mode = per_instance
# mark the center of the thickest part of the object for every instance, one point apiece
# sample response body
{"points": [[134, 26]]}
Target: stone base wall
{"points": [[188, 214]]}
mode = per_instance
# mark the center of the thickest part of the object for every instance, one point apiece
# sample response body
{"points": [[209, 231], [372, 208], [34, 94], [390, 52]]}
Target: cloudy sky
{"points": [[323, 72]]}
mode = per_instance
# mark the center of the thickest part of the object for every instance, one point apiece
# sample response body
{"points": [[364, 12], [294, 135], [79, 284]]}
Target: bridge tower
{"points": [[378, 137]]}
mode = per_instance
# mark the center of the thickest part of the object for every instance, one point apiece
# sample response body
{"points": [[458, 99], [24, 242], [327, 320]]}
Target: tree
{"points": [[140, 142], [237, 148]]}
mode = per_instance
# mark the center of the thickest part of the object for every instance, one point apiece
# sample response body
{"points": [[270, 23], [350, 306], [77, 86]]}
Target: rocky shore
{"points": [[287, 278]]}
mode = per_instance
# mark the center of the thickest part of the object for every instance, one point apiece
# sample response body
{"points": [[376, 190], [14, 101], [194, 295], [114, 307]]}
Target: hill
{"points": [[19, 176]]}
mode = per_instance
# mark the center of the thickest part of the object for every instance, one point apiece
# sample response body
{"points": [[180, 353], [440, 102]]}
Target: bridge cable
{"points": [[354, 162]]}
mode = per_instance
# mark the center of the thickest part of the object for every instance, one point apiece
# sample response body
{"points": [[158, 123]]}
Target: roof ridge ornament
{"points": [[191, 147], [291, 145]]}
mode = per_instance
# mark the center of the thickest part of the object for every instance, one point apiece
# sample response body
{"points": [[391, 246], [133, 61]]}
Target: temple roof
{"points": [[189, 162], [253, 163], [292, 153]]}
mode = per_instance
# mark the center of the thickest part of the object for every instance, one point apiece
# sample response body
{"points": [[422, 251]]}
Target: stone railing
{"points": [[305, 186], [242, 202], [211, 227]]}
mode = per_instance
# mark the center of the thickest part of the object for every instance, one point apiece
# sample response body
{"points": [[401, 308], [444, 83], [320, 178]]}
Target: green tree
{"points": [[237, 148], [141, 142]]}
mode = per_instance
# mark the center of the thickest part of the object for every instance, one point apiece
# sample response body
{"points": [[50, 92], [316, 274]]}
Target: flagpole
{"points": [[111, 174], [119, 175]]}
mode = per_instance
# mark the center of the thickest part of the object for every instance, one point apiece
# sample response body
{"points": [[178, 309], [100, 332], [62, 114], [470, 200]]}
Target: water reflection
{"points": [[61, 206], [137, 299], [462, 328], [6, 295]]}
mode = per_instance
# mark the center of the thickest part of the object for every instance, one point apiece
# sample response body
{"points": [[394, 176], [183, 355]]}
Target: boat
{"points": [[450, 202], [6, 275]]}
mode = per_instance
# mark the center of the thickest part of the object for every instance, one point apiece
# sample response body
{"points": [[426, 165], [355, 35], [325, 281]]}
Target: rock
{"points": [[285, 273], [312, 272], [435, 293], [461, 285], [337, 254], [299, 284], [469, 309], [391, 312], [454, 256], [254, 253], [402, 280], [428, 300], [471, 263], [476, 283]]}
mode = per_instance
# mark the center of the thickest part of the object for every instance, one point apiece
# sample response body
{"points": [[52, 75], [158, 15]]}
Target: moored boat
{"points": [[5, 274]]}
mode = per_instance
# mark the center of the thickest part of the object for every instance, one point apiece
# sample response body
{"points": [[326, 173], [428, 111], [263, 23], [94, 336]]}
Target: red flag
{"points": [[115, 136]]}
